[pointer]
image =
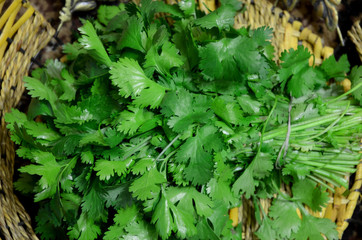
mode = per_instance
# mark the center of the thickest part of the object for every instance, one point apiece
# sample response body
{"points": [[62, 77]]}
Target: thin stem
{"points": [[331, 125], [167, 147], [320, 182], [345, 94]]}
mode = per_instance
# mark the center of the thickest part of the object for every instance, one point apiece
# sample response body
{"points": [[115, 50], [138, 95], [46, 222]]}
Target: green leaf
{"points": [[187, 6], [312, 228], [94, 201], [91, 42], [131, 35], [40, 130], [229, 111], [259, 168], [334, 69], [163, 62], [84, 229], [148, 185], [266, 230], [49, 169], [106, 169], [162, 217], [132, 81], [286, 220], [196, 151], [356, 79], [222, 18], [106, 13], [132, 119], [39, 90], [307, 192]]}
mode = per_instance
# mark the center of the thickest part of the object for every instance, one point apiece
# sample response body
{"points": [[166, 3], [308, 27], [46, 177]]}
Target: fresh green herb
{"points": [[156, 126]]}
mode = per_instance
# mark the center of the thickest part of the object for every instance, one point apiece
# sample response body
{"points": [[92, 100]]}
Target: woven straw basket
{"points": [[24, 32]]}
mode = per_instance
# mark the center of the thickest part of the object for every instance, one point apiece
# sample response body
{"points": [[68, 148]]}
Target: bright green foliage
{"points": [[155, 127], [163, 62], [132, 81], [91, 41], [148, 185]]}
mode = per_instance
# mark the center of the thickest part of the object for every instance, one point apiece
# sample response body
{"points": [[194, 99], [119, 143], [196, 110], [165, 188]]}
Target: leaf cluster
{"points": [[156, 126]]}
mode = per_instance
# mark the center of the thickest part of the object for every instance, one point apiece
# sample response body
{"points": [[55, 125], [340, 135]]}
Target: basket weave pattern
{"points": [[24, 33]]}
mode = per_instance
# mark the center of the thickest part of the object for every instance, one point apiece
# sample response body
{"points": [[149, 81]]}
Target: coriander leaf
{"points": [[49, 169], [106, 13], [148, 185], [40, 130], [187, 6], [143, 165], [334, 69], [67, 86], [245, 183], [162, 217], [262, 35], [84, 229], [132, 81], [87, 157], [307, 192], [312, 228], [37, 89], [140, 230], [229, 111], [73, 50], [259, 168], [266, 230], [196, 151], [184, 41], [190, 200], [91, 42], [123, 217], [94, 201], [220, 220], [286, 220], [184, 108], [15, 117], [163, 62], [222, 18], [132, 119], [356, 79], [131, 35], [249, 105], [106, 169]]}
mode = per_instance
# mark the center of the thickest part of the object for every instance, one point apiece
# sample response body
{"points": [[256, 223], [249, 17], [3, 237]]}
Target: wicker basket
{"points": [[20, 40], [355, 34], [23, 33]]}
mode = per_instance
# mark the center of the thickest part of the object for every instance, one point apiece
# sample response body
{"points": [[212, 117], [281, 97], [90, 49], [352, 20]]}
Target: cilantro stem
{"points": [[138, 147], [266, 123], [345, 94], [168, 146], [332, 177], [321, 182], [331, 125], [327, 166]]}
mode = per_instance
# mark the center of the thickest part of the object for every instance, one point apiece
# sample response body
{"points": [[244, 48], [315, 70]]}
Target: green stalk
{"points": [[327, 166], [326, 179], [317, 180], [331, 125], [300, 126], [345, 94], [330, 176]]}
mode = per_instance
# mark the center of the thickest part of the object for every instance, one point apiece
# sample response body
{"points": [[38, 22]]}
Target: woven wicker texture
{"points": [[355, 34], [23, 34]]}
